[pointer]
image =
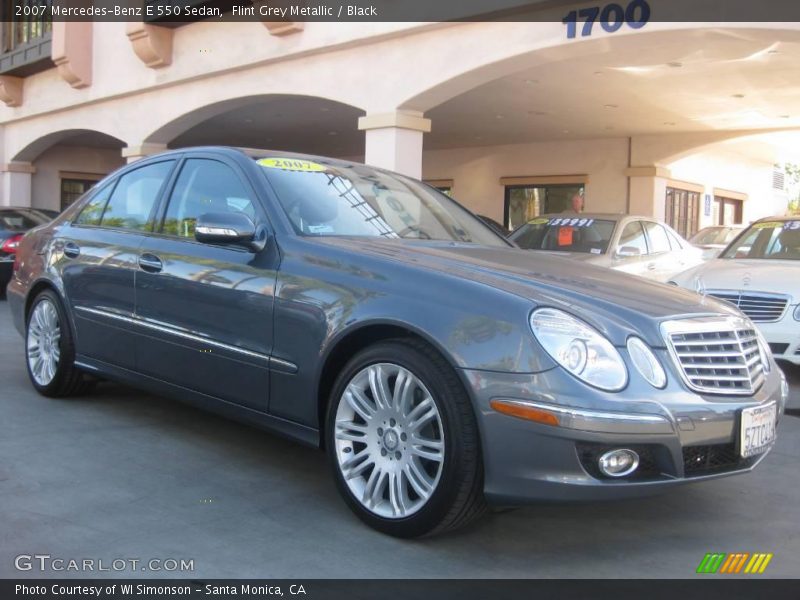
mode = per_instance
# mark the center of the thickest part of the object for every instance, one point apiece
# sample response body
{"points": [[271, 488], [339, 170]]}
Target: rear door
{"points": [[205, 310], [97, 256]]}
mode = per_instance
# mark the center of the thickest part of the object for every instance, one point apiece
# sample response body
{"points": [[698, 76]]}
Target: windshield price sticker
{"points": [[791, 225], [571, 221], [768, 225], [291, 164]]}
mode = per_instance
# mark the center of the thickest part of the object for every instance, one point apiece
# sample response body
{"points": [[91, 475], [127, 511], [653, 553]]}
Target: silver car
{"points": [[637, 245]]}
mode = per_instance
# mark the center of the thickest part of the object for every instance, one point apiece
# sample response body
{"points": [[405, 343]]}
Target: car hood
{"points": [[757, 275], [601, 296]]}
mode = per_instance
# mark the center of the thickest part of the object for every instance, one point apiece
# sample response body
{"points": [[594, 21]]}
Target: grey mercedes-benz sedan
{"points": [[362, 311]]}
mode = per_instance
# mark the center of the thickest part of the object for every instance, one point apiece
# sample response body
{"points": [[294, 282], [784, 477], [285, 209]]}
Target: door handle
{"points": [[651, 267], [71, 250], [150, 263]]}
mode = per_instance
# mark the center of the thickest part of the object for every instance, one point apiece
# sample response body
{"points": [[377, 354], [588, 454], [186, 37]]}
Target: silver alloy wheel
{"points": [[44, 337], [389, 440]]}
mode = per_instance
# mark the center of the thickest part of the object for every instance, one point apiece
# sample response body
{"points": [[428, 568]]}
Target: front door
{"points": [[206, 310]]}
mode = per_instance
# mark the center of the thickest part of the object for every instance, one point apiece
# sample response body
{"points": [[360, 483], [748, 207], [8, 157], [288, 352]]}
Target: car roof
{"points": [[595, 215], [780, 218]]}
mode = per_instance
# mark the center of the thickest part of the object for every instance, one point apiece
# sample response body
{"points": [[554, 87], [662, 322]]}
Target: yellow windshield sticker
{"points": [[538, 221], [768, 225], [291, 164]]}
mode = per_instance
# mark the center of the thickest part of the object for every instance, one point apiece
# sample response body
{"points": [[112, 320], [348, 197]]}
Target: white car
{"points": [[637, 245], [759, 272]]}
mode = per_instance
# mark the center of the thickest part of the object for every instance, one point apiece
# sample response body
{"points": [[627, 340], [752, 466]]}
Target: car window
{"points": [[204, 186], [565, 234], [323, 199], [20, 220], [633, 236], [656, 237], [675, 240], [767, 239], [93, 211], [134, 196]]}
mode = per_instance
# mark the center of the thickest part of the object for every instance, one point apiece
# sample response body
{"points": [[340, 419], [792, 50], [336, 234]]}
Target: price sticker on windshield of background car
{"points": [[291, 164], [565, 236], [768, 225], [791, 225], [571, 221]]}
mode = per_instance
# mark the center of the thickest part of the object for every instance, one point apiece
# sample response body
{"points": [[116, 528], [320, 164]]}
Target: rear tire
{"points": [[50, 349], [409, 463]]}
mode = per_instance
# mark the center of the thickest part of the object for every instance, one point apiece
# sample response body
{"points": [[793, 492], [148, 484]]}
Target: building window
{"points": [[682, 211], [524, 202], [72, 189], [17, 31], [727, 211]]}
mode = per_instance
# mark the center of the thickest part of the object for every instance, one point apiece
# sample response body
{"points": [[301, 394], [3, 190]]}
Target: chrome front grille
{"points": [[761, 307], [716, 355]]}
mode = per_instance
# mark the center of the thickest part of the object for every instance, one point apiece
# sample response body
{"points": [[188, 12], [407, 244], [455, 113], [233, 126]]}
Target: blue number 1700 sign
{"points": [[611, 16]]}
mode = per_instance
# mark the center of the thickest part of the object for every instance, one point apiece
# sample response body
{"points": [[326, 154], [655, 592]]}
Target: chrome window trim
{"points": [[708, 324], [271, 361]]}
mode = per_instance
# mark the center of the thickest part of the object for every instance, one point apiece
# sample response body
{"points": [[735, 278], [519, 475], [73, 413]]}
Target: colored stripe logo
{"points": [[735, 563]]}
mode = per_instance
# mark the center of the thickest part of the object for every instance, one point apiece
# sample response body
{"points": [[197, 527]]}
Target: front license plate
{"points": [[758, 429]]}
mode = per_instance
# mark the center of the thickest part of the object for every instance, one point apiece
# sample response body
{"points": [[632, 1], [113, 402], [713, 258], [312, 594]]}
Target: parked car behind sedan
{"points": [[364, 312], [636, 245], [759, 272], [713, 240], [14, 222]]}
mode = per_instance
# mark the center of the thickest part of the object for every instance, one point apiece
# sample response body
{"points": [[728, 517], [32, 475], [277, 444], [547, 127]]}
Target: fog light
{"points": [[618, 463]]}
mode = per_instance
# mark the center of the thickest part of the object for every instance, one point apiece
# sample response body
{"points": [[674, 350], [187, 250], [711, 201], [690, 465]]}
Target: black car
{"points": [[14, 222]]}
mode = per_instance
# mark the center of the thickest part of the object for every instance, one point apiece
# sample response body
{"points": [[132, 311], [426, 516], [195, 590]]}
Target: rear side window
{"points": [[134, 196], [93, 211], [20, 220], [204, 186]]}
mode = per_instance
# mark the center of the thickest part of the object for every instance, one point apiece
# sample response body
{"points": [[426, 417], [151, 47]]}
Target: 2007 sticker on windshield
{"points": [[291, 164]]}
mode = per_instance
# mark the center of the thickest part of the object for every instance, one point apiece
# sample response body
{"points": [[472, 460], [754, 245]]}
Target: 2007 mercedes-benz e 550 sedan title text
{"points": [[357, 309]]}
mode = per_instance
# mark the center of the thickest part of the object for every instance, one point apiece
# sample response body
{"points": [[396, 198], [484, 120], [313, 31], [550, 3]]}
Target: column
{"points": [[15, 183], [136, 152], [394, 141], [648, 188]]}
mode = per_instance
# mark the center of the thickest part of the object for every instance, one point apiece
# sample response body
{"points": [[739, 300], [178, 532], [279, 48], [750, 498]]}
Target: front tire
{"points": [[403, 441], [50, 349]]}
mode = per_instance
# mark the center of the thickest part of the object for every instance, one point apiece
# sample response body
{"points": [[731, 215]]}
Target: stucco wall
{"points": [[46, 184]]}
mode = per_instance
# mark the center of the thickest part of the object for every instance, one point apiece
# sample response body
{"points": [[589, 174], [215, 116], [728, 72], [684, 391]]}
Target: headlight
{"points": [[579, 348], [796, 313], [646, 362]]}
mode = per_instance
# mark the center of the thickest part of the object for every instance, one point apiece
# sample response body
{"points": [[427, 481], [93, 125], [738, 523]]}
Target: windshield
{"points": [[714, 235], [356, 200], [565, 234], [768, 239], [21, 220]]}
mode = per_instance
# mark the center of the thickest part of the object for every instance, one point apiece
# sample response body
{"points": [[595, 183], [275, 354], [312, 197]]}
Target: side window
{"points": [[204, 186], [674, 241], [134, 196], [633, 236], [91, 213], [657, 237]]}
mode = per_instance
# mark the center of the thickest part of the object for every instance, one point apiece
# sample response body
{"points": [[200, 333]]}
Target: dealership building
{"points": [[682, 121]]}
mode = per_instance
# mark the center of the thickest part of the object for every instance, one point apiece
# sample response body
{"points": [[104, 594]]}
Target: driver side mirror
{"points": [[232, 228], [628, 252]]}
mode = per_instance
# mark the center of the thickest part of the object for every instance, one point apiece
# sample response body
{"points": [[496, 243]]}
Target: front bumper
{"points": [[681, 436], [783, 337]]}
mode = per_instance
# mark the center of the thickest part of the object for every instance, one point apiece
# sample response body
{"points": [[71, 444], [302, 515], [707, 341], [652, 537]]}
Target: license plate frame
{"points": [[757, 429]]}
